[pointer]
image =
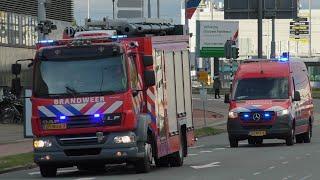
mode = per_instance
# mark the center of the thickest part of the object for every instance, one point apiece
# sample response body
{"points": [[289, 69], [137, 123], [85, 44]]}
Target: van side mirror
{"points": [[16, 69], [16, 86], [227, 98], [297, 96], [147, 61], [149, 78]]}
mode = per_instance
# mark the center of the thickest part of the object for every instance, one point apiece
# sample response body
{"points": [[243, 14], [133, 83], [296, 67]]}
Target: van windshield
{"points": [[261, 88]]}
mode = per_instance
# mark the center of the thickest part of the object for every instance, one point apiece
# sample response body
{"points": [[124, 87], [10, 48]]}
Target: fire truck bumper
{"points": [[65, 151]]}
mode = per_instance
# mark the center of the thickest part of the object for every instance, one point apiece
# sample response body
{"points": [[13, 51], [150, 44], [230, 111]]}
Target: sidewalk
{"points": [[12, 140]]}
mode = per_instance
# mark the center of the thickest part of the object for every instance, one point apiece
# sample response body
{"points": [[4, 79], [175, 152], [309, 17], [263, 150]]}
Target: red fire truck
{"points": [[101, 98]]}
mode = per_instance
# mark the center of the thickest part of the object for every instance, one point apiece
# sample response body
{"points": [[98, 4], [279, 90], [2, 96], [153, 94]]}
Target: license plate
{"points": [[55, 126], [258, 133]]}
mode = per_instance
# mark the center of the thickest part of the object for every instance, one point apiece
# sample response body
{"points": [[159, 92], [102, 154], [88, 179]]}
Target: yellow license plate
{"points": [[258, 133], [55, 126]]}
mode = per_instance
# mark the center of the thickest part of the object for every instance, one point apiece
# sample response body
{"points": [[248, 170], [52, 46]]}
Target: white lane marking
{"points": [[217, 149], [193, 154], [281, 157], [90, 178], [61, 171], [195, 147], [308, 154], [286, 162], [272, 167], [298, 157], [256, 173], [306, 177], [205, 151], [288, 177], [214, 164]]}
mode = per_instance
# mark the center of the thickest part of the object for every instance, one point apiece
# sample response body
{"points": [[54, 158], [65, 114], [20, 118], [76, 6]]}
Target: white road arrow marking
{"points": [[214, 164]]}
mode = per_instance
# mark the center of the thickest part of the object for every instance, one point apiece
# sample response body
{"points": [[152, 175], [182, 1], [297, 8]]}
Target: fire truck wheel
{"points": [[162, 162], [48, 171], [144, 165], [177, 158]]}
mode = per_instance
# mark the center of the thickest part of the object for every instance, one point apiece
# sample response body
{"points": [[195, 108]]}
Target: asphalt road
{"points": [[213, 159]]}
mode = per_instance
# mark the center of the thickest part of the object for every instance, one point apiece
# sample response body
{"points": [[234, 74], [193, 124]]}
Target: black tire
{"points": [[251, 141], [307, 136], [290, 138], [48, 171], [162, 162], [144, 165], [234, 143], [299, 139], [176, 160], [259, 141]]}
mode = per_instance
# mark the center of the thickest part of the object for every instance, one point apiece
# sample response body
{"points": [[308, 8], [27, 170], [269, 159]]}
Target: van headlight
{"points": [[283, 112], [39, 143], [124, 139], [233, 115]]}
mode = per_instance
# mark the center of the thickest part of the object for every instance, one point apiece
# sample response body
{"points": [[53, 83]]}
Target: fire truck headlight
{"points": [[283, 112], [233, 115], [39, 143], [124, 139]]}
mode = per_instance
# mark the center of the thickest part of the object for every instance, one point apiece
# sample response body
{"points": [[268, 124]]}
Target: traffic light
{"points": [[235, 53], [228, 49]]}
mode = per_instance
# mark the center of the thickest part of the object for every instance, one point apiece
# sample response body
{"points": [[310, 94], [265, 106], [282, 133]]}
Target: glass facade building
{"points": [[17, 30]]}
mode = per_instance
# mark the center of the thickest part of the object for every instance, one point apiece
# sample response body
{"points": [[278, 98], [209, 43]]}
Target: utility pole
{"points": [[149, 8], [88, 9], [44, 26], [186, 20], [273, 42], [158, 9], [310, 29], [260, 39], [113, 11]]}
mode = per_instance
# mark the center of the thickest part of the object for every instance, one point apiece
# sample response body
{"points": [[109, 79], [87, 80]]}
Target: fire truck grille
{"points": [[72, 122], [80, 140]]}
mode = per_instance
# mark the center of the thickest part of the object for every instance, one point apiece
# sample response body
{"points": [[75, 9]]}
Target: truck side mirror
{"points": [[227, 98], [16, 69], [16, 86], [149, 78], [147, 61], [297, 96]]}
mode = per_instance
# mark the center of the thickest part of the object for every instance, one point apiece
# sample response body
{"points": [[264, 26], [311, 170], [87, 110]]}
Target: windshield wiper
{"points": [[100, 92], [71, 90]]}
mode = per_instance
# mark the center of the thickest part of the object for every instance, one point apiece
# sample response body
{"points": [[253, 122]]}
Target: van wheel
{"points": [[307, 136], [48, 171], [144, 165], [251, 141], [233, 142], [259, 141], [290, 138], [177, 158], [299, 139]]}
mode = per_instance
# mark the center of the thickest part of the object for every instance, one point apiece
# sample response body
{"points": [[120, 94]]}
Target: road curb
{"points": [[18, 168]]}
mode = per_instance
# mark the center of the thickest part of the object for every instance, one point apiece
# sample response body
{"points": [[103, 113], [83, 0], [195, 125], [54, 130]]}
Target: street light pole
{"points": [[113, 16], [88, 9], [310, 29]]}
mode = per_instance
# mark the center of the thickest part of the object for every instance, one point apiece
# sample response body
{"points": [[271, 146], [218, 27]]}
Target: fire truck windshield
{"points": [[261, 88], [80, 77]]}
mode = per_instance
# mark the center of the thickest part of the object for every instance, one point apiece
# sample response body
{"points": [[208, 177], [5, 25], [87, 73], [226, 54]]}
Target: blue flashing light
{"points": [[284, 57], [96, 115], [46, 41], [63, 117], [246, 116], [267, 116], [119, 37]]}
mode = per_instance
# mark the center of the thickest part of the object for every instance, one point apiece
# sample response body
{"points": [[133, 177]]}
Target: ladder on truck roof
{"points": [[134, 28]]}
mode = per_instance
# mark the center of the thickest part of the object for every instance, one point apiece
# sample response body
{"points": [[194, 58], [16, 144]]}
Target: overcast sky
{"points": [[169, 9]]}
